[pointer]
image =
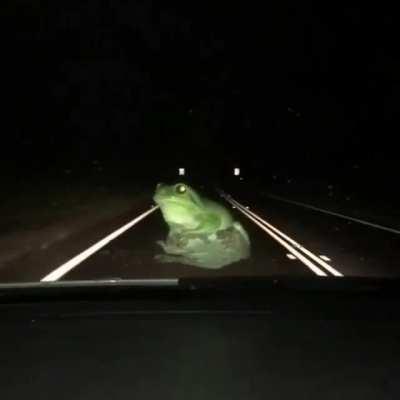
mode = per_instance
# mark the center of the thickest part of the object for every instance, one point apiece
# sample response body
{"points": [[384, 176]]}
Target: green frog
{"points": [[202, 232]]}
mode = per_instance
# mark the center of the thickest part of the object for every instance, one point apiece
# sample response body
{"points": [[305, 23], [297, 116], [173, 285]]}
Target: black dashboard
{"points": [[207, 339]]}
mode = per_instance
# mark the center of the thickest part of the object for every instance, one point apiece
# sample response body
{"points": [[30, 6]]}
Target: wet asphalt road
{"points": [[353, 249]]}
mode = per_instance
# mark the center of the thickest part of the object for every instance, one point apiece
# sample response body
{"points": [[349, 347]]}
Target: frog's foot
{"points": [[170, 248], [239, 228], [162, 244], [164, 258]]}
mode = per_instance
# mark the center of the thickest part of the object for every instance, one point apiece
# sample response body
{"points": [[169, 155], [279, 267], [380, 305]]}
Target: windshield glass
{"points": [[147, 141]]}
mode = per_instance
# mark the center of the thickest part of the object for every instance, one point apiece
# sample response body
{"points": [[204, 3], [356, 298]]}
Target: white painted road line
{"points": [[314, 257], [325, 258], [291, 249], [69, 265], [359, 221], [329, 268]]}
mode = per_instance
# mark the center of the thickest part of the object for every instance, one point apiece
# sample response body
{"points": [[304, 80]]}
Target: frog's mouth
{"points": [[170, 203], [166, 200]]}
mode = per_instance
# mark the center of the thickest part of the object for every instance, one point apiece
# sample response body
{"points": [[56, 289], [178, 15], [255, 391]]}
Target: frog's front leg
{"points": [[162, 244], [207, 224]]}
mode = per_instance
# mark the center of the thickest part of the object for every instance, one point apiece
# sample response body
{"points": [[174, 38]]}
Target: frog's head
{"points": [[178, 203]]}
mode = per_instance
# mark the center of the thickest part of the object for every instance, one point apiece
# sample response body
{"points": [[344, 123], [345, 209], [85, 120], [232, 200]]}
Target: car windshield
{"points": [[142, 140]]}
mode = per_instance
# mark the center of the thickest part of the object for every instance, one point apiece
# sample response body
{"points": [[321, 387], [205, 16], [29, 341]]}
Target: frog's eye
{"points": [[181, 189]]}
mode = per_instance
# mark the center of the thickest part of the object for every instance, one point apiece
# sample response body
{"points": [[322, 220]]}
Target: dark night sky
{"points": [[153, 82]]}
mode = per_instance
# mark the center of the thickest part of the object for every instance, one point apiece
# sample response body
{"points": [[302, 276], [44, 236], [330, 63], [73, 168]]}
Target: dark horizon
{"points": [[154, 83]]}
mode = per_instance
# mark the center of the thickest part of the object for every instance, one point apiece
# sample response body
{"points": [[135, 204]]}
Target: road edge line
{"points": [[82, 256]]}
